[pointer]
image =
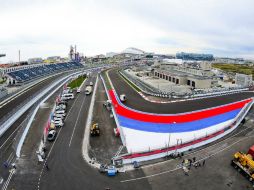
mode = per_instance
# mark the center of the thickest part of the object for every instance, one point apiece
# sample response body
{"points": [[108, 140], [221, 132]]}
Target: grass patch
{"points": [[106, 79], [235, 68], [129, 82], [77, 82]]}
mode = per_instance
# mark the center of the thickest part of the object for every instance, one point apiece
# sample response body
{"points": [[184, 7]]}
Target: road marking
{"points": [[11, 134], [197, 151], [10, 157], [71, 107], [8, 180], [77, 120], [179, 167], [39, 180]]}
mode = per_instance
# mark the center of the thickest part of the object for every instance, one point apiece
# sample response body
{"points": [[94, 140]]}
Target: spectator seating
{"points": [[43, 70]]}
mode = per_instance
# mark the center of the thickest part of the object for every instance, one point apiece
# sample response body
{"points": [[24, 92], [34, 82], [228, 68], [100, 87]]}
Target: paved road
{"points": [[135, 101], [7, 140], [68, 170]]}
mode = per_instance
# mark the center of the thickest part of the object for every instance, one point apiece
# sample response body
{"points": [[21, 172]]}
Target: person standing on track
{"points": [[47, 166]]}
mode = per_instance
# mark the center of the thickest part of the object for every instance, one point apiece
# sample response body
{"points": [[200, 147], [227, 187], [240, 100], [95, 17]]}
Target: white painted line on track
{"points": [[39, 180], [177, 168], [197, 151], [10, 136], [71, 107], [8, 180], [77, 120], [10, 157]]}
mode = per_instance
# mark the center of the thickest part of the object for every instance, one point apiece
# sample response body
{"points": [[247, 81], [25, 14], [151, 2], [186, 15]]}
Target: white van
{"points": [[88, 90], [67, 96]]}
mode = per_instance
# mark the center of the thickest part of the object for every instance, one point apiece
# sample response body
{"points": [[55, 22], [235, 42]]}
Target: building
{"points": [[194, 56], [229, 60], [243, 80], [35, 60], [195, 75], [54, 59]]}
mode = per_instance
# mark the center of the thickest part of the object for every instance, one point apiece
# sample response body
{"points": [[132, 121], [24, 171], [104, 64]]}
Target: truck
{"points": [[244, 163], [88, 90]]}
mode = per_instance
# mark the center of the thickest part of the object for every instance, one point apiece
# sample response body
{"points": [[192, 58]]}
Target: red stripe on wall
{"points": [[176, 118]]}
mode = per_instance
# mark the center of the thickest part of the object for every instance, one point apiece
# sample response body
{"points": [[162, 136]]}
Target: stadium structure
{"points": [[19, 76], [194, 56]]}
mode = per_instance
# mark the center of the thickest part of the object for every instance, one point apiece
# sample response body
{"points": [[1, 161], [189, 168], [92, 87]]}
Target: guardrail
{"points": [[11, 117], [27, 127], [186, 146], [113, 110], [150, 90]]}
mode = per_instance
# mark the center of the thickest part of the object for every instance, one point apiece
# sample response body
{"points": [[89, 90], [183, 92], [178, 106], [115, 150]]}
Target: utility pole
{"points": [[19, 56]]}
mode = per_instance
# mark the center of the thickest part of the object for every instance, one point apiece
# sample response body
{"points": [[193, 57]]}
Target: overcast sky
{"points": [[42, 28]]}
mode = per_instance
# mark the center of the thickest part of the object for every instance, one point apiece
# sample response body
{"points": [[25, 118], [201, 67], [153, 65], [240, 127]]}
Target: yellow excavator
{"points": [[94, 130], [244, 163]]}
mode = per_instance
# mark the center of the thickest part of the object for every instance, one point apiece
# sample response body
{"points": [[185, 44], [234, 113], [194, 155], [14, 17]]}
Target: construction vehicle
{"points": [[244, 163], [94, 130]]}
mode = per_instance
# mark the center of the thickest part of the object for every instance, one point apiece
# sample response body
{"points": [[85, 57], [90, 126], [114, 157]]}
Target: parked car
{"points": [[78, 90], [59, 116], [60, 112], [58, 123], [67, 96], [57, 119], [62, 102], [51, 135], [61, 107]]}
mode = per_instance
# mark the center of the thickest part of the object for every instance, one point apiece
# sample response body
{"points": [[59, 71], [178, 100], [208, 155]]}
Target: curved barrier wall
{"points": [[146, 131]]}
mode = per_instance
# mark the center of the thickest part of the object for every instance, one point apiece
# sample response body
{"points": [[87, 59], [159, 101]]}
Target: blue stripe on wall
{"points": [[177, 127]]}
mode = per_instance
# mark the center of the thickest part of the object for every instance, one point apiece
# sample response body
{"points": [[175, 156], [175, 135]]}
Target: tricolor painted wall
{"points": [[147, 131]]}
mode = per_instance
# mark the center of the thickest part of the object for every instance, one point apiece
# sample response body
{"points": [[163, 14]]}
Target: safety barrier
{"points": [[155, 154], [113, 110], [150, 90], [27, 127]]}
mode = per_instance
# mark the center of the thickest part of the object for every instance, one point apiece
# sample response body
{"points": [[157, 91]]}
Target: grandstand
{"points": [[25, 75]]}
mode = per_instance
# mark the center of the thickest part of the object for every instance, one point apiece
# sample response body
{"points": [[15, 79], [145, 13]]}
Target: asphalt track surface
{"points": [[135, 101], [67, 168], [23, 97], [7, 140], [9, 107]]}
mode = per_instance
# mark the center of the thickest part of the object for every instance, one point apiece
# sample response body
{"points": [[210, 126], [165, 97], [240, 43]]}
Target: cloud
{"points": [[43, 27]]}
